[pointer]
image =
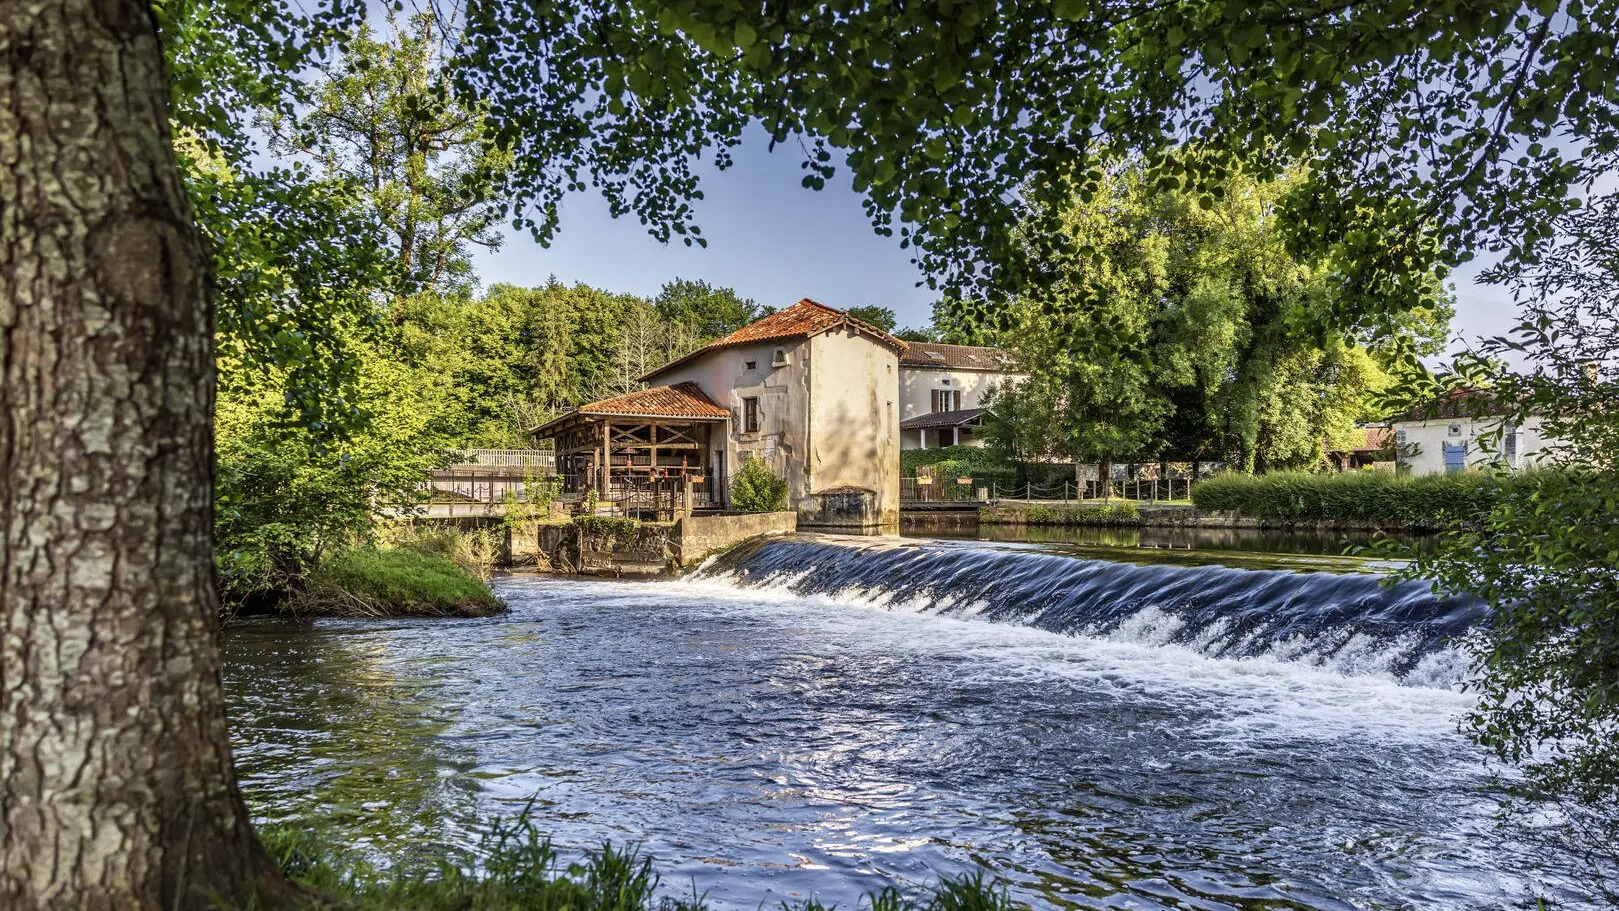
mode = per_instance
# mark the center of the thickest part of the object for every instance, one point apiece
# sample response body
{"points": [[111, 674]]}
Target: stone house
{"points": [[942, 390], [808, 389]]}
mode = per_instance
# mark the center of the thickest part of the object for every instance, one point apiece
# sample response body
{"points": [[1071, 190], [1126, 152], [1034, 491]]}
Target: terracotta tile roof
{"points": [[802, 320], [1462, 403], [942, 419], [1376, 438], [682, 400], [957, 357]]}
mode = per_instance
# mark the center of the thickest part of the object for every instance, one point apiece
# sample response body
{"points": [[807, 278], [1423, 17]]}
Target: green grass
{"points": [[515, 868], [1374, 497], [365, 582]]}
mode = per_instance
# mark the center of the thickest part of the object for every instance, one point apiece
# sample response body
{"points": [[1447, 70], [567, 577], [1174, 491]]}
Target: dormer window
{"points": [[936, 356]]}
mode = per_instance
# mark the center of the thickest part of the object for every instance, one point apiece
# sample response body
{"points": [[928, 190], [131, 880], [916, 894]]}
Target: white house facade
{"points": [[942, 390], [1454, 435]]}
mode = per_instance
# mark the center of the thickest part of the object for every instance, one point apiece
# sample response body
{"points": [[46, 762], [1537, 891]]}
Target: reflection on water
{"points": [[1223, 546], [766, 745], [352, 741]]}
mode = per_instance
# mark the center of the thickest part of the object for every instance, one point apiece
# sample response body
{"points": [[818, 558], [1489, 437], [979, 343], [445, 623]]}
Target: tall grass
{"points": [[475, 550], [365, 582], [515, 868], [1376, 497]]}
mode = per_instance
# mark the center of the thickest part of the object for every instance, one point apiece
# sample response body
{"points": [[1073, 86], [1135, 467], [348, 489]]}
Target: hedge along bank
{"points": [[1357, 499]]}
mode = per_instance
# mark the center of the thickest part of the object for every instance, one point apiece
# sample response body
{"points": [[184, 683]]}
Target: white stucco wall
{"points": [[916, 385], [783, 393], [854, 417], [1423, 448]]}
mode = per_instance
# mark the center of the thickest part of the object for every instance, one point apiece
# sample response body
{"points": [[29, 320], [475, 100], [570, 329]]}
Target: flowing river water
{"points": [[821, 717]]}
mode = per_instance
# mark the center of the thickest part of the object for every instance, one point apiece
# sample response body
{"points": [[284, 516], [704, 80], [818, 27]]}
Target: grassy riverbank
{"points": [[515, 868], [368, 582]]}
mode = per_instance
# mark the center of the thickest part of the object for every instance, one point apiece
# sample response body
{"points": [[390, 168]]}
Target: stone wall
{"points": [[624, 547], [606, 548], [846, 508], [697, 537]]}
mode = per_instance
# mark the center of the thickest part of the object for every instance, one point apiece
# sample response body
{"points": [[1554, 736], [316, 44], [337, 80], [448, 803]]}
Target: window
{"points": [[946, 400], [781, 357], [750, 415], [1399, 438], [944, 382], [751, 365], [1455, 430]]}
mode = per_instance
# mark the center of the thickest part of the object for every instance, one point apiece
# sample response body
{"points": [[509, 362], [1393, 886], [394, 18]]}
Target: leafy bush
{"points": [[515, 867], [366, 582], [1427, 502], [966, 458], [607, 526], [758, 489]]}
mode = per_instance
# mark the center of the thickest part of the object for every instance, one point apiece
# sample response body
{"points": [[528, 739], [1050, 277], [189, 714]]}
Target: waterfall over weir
{"points": [[1353, 624]]}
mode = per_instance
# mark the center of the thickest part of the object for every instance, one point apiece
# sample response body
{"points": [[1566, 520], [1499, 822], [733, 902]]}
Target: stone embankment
{"points": [[602, 546]]}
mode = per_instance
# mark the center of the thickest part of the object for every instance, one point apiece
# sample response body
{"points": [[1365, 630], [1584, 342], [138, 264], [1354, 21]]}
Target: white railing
{"points": [[543, 459]]}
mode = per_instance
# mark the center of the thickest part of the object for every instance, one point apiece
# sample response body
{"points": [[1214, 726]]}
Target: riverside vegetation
{"points": [[514, 867], [1430, 502]]}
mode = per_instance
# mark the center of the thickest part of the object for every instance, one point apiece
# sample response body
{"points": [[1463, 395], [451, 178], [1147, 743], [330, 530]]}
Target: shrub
{"points": [[515, 867], [757, 489], [1426, 502], [1120, 512], [966, 459], [365, 582], [607, 526]]}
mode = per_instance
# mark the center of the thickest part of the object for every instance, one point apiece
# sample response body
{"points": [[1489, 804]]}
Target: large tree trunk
{"points": [[116, 786]]}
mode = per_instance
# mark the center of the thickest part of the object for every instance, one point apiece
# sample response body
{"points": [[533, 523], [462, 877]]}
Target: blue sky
{"points": [[776, 242]]}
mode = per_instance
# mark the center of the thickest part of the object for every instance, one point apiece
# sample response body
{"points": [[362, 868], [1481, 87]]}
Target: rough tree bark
{"points": [[116, 786]]}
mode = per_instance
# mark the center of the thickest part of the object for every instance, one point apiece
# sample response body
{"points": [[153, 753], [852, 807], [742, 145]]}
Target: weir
{"points": [[1351, 623]]}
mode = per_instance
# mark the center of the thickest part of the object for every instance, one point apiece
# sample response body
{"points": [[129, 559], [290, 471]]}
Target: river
{"points": [[823, 717]]}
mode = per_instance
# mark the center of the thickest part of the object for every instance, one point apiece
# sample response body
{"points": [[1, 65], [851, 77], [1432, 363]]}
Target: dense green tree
{"points": [[383, 120], [916, 334], [1022, 421], [1190, 331], [708, 310], [881, 317]]}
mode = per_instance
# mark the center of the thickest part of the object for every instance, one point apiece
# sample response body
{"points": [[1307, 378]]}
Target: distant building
{"points": [[942, 389], [1465, 430], [1372, 447], [809, 389]]}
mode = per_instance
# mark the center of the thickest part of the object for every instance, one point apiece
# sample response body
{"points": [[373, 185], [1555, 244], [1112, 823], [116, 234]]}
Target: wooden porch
{"points": [[649, 465]]}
